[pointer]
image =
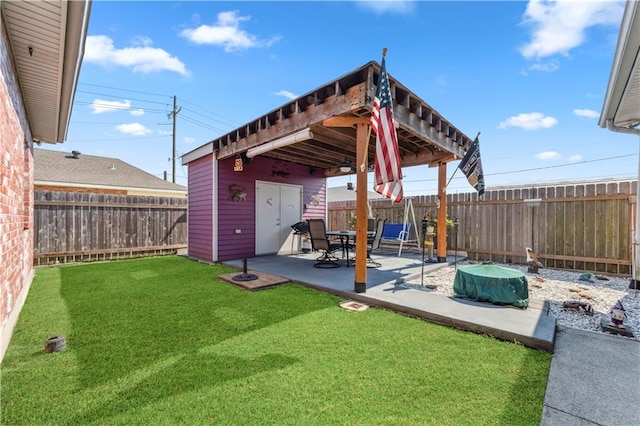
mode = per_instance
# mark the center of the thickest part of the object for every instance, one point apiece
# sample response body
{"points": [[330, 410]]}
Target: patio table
{"points": [[345, 236]]}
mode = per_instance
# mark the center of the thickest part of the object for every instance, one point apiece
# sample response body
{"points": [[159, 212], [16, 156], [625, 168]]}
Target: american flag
{"points": [[388, 175]]}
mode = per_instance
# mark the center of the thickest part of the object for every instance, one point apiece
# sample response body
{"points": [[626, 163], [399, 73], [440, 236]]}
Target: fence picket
{"points": [[576, 226], [82, 226]]}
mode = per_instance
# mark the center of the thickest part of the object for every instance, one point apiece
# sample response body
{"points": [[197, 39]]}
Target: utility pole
{"points": [[173, 114]]}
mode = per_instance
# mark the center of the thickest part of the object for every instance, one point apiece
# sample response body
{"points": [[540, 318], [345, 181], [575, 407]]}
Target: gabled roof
{"points": [[621, 107], [58, 167], [47, 40]]}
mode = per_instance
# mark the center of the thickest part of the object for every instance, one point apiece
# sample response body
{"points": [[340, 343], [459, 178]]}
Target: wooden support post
{"points": [[362, 166], [442, 213], [362, 145]]}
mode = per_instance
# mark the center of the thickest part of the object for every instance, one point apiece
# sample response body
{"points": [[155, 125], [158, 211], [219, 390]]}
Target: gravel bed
{"points": [[557, 286]]}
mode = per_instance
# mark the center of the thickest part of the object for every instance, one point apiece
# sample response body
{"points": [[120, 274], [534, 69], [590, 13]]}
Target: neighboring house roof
{"points": [[621, 109], [61, 168], [341, 193], [47, 41]]}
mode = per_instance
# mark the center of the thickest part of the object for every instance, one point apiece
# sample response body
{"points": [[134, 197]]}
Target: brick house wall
{"points": [[16, 198]]}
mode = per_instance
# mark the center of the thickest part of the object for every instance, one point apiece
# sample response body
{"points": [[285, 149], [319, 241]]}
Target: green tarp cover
{"points": [[492, 283]]}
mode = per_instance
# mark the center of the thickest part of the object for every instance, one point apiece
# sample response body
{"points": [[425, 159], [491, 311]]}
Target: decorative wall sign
{"points": [[237, 166], [237, 192], [280, 169]]}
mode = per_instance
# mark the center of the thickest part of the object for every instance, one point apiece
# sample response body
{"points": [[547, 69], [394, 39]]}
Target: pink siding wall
{"points": [[16, 198], [200, 208], [234, 215]]}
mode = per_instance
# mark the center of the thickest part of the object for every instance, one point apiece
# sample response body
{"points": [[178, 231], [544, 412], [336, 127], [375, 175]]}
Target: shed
{"points": [[248, 186]]}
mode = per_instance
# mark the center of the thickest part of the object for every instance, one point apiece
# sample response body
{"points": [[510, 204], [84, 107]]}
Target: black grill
{"points": [[300, 228]]}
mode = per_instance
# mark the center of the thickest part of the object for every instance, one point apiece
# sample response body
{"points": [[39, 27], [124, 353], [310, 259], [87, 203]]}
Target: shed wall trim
{"points": [[197, 153]]}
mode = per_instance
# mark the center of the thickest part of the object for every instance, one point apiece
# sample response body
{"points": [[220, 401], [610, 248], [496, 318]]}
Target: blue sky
{"points": [[530, 76]]}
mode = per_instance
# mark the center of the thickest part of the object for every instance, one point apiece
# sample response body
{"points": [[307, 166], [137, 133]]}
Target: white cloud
{"points": [[529, 121], [575, 158], [98, 106], [140, 57], [559, 26], [286, 94], [165, 132], [137, 112], [550, 66], [226, 32], [142, 41], [387, 6], [188, 140], [135, 129], [588, 113], [548, 155]]}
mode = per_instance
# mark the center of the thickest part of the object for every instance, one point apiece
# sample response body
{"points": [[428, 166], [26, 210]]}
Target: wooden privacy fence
{"points": [[74, 226], [583, 227]]}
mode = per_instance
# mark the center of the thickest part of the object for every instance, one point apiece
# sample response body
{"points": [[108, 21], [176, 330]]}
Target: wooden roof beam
{"points": [[352, 99]]}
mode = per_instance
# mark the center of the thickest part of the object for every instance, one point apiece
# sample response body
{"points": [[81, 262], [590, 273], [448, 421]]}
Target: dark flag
{"points": [[471, 166], [388, 173]]}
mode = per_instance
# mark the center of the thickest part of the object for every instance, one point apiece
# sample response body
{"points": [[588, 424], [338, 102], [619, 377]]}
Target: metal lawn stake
{"points": [[425, 221], [456, 225]]}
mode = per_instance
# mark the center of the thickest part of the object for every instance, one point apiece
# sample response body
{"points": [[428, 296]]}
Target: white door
{"points": [[278, 206]]}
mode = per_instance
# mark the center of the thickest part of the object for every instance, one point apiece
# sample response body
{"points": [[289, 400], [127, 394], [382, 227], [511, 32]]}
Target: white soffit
{"points": [[622, 101], [47, 41]]}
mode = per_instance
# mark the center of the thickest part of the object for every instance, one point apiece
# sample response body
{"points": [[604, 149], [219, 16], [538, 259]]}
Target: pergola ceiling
{"points": [[424, 136], [47, 42]]}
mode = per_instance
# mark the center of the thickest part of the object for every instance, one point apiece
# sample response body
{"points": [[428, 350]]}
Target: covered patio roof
{"points": [[424, 135]]}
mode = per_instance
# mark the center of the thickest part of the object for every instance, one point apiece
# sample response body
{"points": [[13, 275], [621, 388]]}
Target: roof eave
{"points": [[621, 106], [77, 22], [47, 60]]}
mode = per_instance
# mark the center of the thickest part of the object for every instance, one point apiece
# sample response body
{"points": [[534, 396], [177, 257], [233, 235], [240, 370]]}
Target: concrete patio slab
{"points": [[531, 327]]}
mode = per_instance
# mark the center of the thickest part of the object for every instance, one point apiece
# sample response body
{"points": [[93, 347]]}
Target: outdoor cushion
{"points": [[392, 231]]}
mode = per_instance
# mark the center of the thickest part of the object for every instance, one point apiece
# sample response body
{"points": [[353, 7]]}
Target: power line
{"points": [[117, 139], [207, 117], [119, 108], [118, 123], [114, 96], [235, 123], [125, 90], [200, 123], [531, 169], [561, 165]]}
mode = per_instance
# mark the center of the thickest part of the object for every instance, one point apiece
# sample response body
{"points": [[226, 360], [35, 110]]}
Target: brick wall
{"points": [[16, 198]]}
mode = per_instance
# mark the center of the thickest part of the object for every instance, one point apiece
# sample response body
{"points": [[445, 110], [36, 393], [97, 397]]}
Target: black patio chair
{"points": [[373, 243], [321, 243]]}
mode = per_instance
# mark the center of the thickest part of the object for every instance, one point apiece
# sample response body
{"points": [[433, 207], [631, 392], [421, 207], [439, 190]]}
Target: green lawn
{"points": [[163, 341]]}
